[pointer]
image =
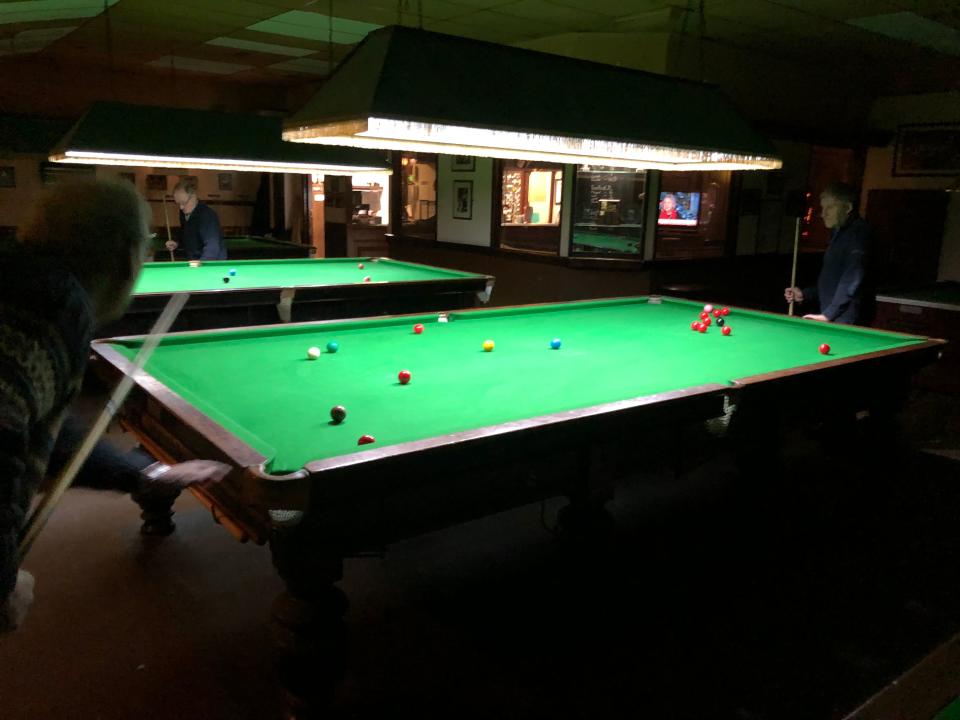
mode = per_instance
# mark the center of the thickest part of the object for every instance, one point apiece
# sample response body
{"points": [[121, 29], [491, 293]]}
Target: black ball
{"points": [[226, 279], [338, 413], [720, 322]]}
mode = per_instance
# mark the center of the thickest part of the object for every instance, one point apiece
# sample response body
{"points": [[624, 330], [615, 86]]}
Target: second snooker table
{"points": [[242, 247], [474, 432], [267, 291], [932, 309]]}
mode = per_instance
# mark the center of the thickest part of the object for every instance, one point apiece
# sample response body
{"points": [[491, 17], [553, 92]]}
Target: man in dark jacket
{"points": [[73, 271], [199, 225], [843, 291]]}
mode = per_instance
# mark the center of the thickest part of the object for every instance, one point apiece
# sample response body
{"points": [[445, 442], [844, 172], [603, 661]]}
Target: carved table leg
{"points": [[307, 620], [156, 511]]}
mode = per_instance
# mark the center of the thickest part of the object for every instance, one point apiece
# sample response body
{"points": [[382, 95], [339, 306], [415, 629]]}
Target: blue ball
{"points": [[333, 346], [233, 271], [555, 343]]}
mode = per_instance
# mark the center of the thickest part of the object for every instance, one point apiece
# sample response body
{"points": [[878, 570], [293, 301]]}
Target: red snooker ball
{"points": [[694, 325], [725, 311], [725, 330], [704, 315], [717, 313], [707, 320], [366, 440], [404, 376], [367, 279], [418, 328], [824, 349], [702, 328]]}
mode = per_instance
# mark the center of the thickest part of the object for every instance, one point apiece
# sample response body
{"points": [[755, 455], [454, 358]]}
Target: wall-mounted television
{"points": [[679, 208]]}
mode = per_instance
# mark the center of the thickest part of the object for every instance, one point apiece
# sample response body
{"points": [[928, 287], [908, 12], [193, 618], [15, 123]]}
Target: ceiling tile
{"points": [[46, 10], [384, 12], [847, 9], [197, 65], [477, 32], [260, 47], [308, 66], [621, 8], [481, 4], [507, 27], [35, 40], [314, 26], [559, 15], [912, 28], [274, 39]]}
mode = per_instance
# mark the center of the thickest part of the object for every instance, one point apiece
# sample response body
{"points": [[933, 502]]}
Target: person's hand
{"points": [[171, 479], [793, 294], [171, 245], [821, 318], [14, 611], [193, 472]]}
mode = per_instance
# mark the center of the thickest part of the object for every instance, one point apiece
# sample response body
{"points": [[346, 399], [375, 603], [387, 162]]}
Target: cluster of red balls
{"points": [[719, 315]]}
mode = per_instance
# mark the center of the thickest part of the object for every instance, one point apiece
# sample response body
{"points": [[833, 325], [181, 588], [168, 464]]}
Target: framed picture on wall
{"points": [[156, 183], [463, 199], [463, 163], [8, 176], [225, 181], [932, 149]]}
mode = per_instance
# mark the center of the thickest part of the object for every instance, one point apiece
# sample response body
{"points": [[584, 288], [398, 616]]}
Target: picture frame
{"points": [[157, 183], [225, 182], [929, 149], [8, 176], [463, 163], [463, 199]]}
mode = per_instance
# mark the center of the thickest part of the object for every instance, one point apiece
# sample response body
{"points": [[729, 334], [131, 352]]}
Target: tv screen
{"points": [[679, 208]]}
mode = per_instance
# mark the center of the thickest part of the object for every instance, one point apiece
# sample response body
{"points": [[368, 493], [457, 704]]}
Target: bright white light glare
{"points": [[386, 134], [164, 161]]}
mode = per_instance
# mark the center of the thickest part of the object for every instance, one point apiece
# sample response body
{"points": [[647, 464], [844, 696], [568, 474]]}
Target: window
{"points": [[530, 206], [419, 195], [608, 211], [692, 215]]}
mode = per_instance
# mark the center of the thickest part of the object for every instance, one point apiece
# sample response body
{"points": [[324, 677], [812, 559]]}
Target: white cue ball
{"points": [[313, 353]]}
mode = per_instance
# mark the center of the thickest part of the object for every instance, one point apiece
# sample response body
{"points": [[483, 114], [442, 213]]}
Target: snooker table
{"points": [[474, 432], [596, 241], [265, 291], [934, 310], [242, 247]]}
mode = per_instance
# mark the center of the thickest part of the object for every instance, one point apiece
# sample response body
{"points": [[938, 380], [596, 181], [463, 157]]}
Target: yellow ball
{"points": [[488, 345]]}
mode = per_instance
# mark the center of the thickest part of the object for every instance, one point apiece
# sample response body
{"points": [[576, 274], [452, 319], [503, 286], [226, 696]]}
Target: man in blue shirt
{"points": [[200, 227], [843, 293]]}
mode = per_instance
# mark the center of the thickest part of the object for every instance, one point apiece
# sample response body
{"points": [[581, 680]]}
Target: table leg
{"points": [[156, 511], [307, 621], [586, 518]]}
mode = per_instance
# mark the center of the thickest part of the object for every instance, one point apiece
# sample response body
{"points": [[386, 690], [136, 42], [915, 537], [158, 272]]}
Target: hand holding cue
{"points": [[793, 269], [38, 518], [166, 219]]}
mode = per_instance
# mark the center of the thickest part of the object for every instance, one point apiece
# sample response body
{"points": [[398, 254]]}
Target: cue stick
{"points": [[166, 219], [38, 518], [793, 269]]}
